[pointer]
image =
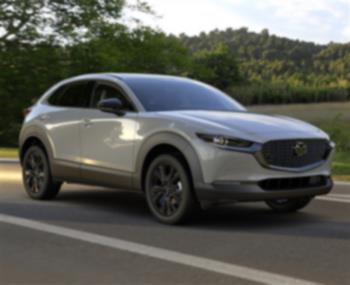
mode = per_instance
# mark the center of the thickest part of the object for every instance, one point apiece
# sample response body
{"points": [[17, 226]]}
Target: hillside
{"points": [[265, 57]]}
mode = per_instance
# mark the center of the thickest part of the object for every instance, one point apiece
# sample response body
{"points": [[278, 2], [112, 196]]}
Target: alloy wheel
{"points": [[166, 189], [34, 172]]}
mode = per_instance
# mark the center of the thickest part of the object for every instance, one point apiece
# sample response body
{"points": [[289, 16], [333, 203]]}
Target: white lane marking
{"points": [[333, 199], [237, 271]]}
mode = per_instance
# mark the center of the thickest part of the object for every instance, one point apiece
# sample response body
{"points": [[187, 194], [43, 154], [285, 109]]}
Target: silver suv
{"points": [[186, 145]]}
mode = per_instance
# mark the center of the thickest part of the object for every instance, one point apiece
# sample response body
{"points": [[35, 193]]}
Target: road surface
{"points": [[99, 236]]}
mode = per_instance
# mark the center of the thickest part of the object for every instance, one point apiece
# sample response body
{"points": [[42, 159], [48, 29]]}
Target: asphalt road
{"points": [[100, 236]]}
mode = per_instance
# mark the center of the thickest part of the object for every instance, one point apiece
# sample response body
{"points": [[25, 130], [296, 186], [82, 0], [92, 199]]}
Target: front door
{"points": [[108, 140]]}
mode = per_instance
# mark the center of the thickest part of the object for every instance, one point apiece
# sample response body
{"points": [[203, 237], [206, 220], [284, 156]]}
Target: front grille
{"points": [[295, 153], [293, 183]]}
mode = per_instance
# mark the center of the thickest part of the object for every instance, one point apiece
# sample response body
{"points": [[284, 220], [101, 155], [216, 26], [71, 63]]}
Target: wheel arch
{"points": [[31, 137], [31, 141], [166, 142]]}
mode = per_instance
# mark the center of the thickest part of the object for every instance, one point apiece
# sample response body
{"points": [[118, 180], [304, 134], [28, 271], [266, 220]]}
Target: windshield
{"points": [[171, 94]]}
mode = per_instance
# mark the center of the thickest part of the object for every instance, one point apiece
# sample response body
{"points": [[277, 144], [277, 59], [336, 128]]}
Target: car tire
{"points": [[169, 190], [36, 174], [288, 205]]}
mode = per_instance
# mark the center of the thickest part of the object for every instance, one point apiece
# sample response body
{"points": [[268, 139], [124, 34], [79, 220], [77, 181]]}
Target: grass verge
{"points": [[341, 165], [8, 153]]}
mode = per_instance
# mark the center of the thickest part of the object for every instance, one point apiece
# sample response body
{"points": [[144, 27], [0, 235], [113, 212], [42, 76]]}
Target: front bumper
{"points": [[231, 191], [230, 176], [224, 165]]}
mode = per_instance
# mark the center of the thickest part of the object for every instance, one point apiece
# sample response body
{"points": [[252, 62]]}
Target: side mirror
{"points": [[112, 105]]}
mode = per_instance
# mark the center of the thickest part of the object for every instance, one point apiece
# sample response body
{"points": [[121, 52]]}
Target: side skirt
{"points": [[96, 176]]}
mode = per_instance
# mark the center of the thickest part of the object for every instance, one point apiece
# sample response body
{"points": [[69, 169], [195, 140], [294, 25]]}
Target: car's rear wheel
{"points": [[37, 177], [168, 190], [288, 205]]}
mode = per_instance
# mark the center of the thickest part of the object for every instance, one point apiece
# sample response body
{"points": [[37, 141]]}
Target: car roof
{"points": [[143, 76], [123, 77], [129, 76]]}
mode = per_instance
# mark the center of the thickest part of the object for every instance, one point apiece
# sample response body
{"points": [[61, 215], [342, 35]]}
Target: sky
{"points": [[320, 21]]}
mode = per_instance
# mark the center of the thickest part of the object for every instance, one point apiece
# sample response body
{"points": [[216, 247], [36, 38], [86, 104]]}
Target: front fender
{"points": [[174, 140]]}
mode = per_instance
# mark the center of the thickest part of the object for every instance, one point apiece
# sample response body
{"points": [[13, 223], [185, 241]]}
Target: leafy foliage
{"points": [[217, 66], [38, 20]]}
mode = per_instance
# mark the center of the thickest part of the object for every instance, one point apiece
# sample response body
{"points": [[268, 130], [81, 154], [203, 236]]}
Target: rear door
{"points": [[64, 119]]}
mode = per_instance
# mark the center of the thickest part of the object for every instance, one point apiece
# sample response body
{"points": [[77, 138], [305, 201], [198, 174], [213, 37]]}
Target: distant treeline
{"points": [[276, 70], [254, 68]]}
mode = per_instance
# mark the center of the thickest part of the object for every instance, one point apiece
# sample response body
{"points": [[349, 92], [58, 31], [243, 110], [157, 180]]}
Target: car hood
{"points": [[248, 125]]}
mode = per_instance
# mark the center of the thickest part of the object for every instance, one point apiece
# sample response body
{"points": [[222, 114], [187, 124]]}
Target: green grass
{"points": [[9, 152], [334, 118], [341, 165]]}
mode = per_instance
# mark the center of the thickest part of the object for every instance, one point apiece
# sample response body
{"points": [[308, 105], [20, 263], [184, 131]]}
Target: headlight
{"points": [[224, 141], [330, 146]]}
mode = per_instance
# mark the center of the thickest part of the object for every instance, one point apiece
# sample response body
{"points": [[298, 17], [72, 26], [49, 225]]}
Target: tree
{"points": [[217, 66], [60, 20], [118, 49], [37, 40]]}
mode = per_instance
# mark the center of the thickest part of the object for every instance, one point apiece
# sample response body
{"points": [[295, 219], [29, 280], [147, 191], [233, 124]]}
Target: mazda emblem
{"points": [[300, 149]]}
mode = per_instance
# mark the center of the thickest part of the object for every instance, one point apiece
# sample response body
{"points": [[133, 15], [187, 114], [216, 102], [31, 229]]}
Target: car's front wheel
{"points": [[288, 205], [168, 190], [37, 177]]}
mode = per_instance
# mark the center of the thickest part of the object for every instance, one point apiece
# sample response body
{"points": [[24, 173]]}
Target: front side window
{"points": [[75, 95], [107, 92]]}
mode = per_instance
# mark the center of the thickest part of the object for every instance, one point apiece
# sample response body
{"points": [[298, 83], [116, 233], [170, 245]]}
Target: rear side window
{"points": [[76, 95]]}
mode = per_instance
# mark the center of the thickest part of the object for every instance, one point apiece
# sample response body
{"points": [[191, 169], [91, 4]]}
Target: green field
{"points": [[334, 118]]}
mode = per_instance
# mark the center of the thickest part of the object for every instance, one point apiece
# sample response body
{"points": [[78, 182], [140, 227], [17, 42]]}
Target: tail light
{"points": [[26, 112]]}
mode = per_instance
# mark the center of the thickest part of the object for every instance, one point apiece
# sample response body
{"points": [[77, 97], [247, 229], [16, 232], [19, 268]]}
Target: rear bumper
{"points": [[232, 191]]}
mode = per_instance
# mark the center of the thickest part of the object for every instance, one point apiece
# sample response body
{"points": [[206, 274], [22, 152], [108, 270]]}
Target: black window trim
{"points": [[117, 87]]}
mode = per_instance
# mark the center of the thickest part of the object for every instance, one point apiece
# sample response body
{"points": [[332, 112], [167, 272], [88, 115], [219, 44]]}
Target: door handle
{"points": [[87, 123]]}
